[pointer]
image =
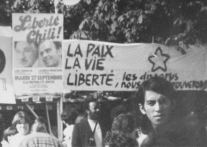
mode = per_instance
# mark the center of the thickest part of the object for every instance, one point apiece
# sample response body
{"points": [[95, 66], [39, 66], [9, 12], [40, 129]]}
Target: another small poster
{"points": [[6, 84]]}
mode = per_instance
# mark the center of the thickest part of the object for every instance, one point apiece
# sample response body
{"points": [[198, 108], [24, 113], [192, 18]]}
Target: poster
{"points": [[6, 84], [37, 53], [102, 66]]}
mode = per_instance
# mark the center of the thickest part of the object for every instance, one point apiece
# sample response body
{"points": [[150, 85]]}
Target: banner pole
{"points": [[48, 119], [36, 116], [55, 4], [59, 121]]}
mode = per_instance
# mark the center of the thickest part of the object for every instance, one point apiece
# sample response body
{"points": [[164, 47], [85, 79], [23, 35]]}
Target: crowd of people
{"points": [[158, 127]]}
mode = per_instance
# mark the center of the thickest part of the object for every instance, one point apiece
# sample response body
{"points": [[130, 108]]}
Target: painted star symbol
{"points": [[158, 60]]}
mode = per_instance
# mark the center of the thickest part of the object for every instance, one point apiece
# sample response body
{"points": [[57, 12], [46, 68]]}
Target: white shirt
{"points": [[97, 134], [16, 140], [141, 138], [68, 135], [5, 143]]}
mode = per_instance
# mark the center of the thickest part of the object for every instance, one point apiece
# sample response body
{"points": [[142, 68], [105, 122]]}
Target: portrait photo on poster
{"points": [[50, 54], [25, 54]]}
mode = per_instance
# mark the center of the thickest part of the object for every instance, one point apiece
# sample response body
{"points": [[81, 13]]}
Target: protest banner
{"points": [[102, 66], [37, 53], [6, 84]]}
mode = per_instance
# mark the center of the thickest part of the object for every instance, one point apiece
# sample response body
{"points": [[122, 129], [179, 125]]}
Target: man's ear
{"points": [[141, 108]]}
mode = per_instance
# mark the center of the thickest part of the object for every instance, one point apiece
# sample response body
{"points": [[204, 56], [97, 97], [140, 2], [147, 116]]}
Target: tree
{"points": [[132, 21], [167, 22]]}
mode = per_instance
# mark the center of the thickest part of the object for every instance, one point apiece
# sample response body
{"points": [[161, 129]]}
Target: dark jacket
{"points": [[82, 134]]}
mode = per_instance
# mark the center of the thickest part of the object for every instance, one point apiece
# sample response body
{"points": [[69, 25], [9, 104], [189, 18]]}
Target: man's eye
{"points": [[163, 101], [48, 50], [151, 103], [27, 50]]}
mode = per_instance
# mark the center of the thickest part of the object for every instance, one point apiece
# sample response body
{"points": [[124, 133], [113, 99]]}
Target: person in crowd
{"points": [[89, 132], [68, 117], [1, 127], [39, 125], [122, 132], [156, 100], [51, 53], [116, 111], [26, 54], [21, 122], [80, 117], [8, 133], [118, 139], [39, 139]]}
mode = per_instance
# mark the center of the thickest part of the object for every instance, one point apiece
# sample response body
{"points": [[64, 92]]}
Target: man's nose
{"points": [[22, 55], [44, 55], [158, 106]]}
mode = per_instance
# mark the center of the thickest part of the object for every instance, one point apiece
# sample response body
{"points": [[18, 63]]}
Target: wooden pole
{"points": [[55, 5], [59, 121], [48, 119], [35, 115]]}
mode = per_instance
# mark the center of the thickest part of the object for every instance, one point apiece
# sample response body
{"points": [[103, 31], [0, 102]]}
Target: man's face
{"points": [[157, 107], [51, 56], [26, 53], [93, 112]]}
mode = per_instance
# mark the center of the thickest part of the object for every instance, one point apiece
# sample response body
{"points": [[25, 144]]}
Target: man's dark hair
{"points": [[69, 115], [57, 44], [158, 85], [31, 42], [88, 101]]}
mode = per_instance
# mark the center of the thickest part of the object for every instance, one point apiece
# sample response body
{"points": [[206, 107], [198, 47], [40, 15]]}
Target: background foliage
{"points": [[168, 22]]}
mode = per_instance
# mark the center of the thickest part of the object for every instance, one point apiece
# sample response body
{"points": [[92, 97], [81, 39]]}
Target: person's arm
{"points": [[76, 138]]}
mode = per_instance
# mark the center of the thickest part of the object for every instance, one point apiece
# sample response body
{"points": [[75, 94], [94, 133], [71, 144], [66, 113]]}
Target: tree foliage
{"points": [[123, 21], [167, 22]]}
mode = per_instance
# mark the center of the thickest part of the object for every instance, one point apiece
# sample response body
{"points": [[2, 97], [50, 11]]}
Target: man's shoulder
{"points": [[82, 124]]}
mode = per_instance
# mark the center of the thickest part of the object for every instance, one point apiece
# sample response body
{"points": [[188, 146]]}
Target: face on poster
{"points": [[37, 53]]}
